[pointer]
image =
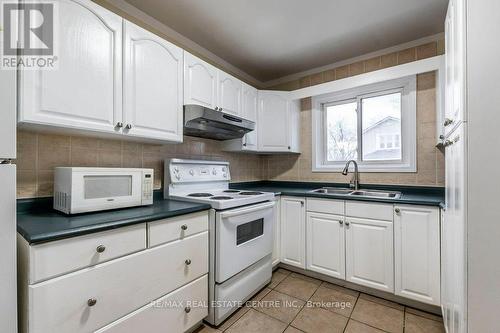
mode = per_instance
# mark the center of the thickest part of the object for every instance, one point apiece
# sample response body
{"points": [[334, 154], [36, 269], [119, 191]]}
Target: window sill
{"points": [[367, 168]]}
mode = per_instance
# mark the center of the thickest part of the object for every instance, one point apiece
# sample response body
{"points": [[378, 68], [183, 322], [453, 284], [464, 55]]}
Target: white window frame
{"points": [[408, 140]]}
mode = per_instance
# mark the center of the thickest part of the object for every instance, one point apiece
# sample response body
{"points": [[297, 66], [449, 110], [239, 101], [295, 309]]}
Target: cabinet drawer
{"points": [[118, 287], [169, 311], [328, 206], [60, 257], [369, 210], [167, 230]]}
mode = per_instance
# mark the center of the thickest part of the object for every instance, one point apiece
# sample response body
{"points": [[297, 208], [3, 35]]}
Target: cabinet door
{"points": [[200, 82], [325, 244], [153, 84], [293, 231], [369, 253], [85, 91], [249, 111], [277, 233], [229, 91], [273, 120], [417, 253]]}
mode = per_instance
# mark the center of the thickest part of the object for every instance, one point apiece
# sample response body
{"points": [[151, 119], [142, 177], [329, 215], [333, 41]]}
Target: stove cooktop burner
{"points": [[231, 191], [250, 193], [221, 197], [200, 195]]}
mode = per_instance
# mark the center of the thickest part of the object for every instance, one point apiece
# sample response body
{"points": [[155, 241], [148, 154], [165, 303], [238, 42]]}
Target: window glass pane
{"points": [[342, 132], [381, 127]]}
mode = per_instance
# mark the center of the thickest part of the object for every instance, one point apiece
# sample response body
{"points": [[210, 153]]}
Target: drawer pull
{"points": [[91, 302], [188, 261], [187, 309], [347, 223], [184, 227], [100, 249], [341, 222]]}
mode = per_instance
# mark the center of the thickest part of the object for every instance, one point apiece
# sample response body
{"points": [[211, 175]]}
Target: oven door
{"points": [[243, 237]]}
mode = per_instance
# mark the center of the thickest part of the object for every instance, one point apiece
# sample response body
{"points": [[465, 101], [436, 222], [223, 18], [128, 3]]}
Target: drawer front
{"points": [[61, 257], [170, 311], [167, 230], [118, 287], [328, 206], [369, 210]]}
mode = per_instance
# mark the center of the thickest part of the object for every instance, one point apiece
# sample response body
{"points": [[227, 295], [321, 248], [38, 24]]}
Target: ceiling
{"points": [[269, 39]]}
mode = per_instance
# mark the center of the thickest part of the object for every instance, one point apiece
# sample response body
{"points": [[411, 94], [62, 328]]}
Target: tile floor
{"points": [[280, 307]]}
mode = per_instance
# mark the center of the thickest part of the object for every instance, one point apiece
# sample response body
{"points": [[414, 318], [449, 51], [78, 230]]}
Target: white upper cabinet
{"points": [[293, 228], [369, 253], [85, 92], [250, 97], [278, 119], [229, 94], [325, 244], [153, 85], [200, 82], [417, 253]]}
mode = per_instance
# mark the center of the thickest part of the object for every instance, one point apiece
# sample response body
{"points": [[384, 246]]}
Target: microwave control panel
{"points": [[147, 188]]}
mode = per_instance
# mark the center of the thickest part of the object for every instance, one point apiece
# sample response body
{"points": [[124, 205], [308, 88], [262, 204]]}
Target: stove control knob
{"points": [[191, 172], [176, 169], [214, 172], [224, 169], [177, 176]]}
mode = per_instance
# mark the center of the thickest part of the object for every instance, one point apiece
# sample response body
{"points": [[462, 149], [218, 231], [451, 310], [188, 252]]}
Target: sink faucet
{"points": [[355, 179]]}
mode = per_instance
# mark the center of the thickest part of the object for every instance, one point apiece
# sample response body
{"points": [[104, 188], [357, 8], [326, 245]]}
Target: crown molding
{"points": [[366, 56]]}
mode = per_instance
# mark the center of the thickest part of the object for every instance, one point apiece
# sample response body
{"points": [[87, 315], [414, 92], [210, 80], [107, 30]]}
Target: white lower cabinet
{"points": [[416, 253], [179, 311], [325, 244], [277, 233], [121, 291], [369, 253], [293, 227]]}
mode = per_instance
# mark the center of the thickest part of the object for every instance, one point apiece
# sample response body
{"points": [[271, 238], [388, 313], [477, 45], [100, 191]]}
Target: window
{"points": [[374, 125]]}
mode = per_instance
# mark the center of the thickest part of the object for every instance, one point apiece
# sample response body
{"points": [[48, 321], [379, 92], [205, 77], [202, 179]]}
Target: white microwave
{"points": [[81, 190]]}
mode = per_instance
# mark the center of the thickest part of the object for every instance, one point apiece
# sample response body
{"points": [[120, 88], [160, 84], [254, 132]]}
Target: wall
{"points": [[39, 153], [430, 160]]}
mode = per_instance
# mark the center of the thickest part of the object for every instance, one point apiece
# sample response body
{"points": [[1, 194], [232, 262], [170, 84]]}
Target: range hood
{"points": [[206, 123]]}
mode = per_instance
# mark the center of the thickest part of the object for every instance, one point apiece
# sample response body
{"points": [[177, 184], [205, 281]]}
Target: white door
{"points": [[153, 85], [417, 253], [200, 82], [229, 91], [293, 229], [326, 244], [273, 120], [454, 235], [369, 253], [249, 111], [85, 91], [277, 232]]}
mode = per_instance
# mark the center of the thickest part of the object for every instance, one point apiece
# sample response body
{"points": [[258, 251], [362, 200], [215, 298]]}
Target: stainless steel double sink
{"points": [[359, 193]]}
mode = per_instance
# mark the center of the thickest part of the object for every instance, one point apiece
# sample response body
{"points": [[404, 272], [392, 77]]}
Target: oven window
{"points": [[96, 187], [249, 231]]}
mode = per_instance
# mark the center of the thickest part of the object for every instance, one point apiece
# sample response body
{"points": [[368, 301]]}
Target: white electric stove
{"points": [[240, 231]]}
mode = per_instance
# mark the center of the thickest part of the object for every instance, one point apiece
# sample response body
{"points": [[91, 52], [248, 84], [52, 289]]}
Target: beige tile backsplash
{"points": [[39, 153]]}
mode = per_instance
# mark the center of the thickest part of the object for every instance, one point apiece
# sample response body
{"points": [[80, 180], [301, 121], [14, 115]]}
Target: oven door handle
{"points": [[247, 210]]}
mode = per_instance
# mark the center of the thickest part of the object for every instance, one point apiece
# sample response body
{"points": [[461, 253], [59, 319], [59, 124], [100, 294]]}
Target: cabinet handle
{"points": [[448, 122], [91, 302], [188, 262], [119, 124], [289, 147], [347, 223], [187, 309], [129, 126], [100, 249], [397, 210], [184, 227], [341, 222], [244, 145], [302, 203], [216, 108]]}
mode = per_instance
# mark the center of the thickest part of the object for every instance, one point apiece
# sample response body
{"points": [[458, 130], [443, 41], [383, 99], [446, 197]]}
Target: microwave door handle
{"points": [[236, 212]]}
